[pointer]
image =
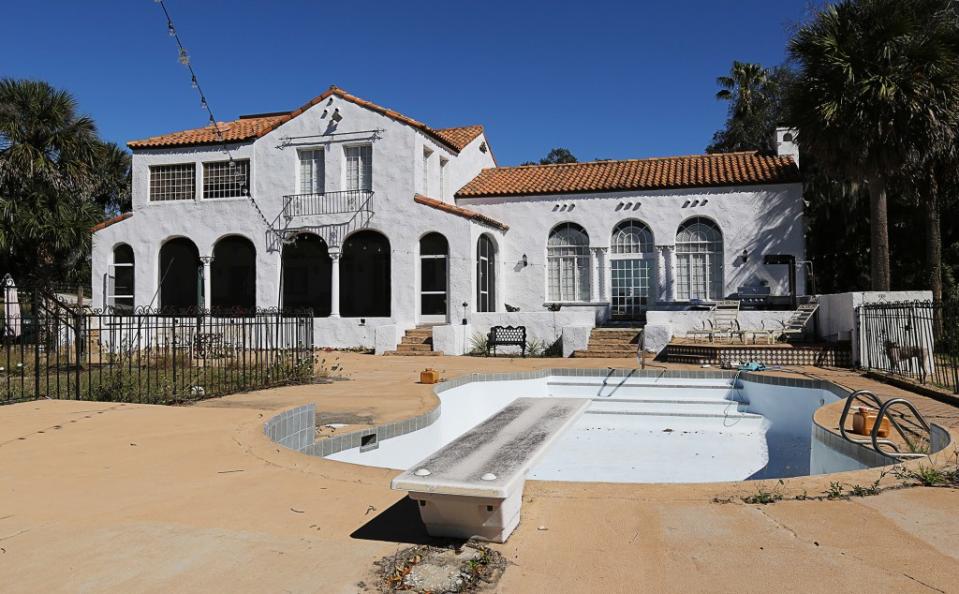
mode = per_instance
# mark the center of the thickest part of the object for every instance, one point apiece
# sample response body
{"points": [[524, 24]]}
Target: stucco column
{"points": [[594, 274], [207, 281], [335, 283], [667, 267]]}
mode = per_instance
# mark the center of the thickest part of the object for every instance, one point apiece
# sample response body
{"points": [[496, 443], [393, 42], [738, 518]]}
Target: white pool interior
{"points": [[637, 429]]}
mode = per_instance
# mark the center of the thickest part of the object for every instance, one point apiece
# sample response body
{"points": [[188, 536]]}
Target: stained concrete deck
{"points": [[129, 498]]}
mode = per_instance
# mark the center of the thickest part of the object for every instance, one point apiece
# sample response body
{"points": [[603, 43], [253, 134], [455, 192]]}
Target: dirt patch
{"points": [[438, 570], [342, 418]]}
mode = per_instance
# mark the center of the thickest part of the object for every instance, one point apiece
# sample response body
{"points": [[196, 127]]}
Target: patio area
{"points": [[126, 497]]}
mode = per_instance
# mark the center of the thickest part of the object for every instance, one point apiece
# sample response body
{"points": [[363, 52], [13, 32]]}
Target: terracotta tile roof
{"points": [[460, 137], [108, 222], [459, 211], [696, 171], [248, 128]]}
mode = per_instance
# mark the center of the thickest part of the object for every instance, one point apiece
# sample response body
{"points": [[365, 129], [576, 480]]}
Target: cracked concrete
{"points": [[138, 498]]}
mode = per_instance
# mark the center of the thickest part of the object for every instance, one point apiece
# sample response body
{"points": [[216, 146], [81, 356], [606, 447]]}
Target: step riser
{"points": [[732, 409], [638, 392], [678, 424]]}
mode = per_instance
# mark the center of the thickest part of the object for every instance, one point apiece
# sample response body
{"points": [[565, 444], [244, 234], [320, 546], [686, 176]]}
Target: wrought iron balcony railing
{"points": [[343, 202]]}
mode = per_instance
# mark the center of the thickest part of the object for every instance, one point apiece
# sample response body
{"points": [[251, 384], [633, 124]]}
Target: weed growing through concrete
{"points": [[764, 496], [835, 490]]}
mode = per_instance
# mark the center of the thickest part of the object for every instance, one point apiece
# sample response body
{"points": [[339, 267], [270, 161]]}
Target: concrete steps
{"points": [[416, 342], [611, 343]]}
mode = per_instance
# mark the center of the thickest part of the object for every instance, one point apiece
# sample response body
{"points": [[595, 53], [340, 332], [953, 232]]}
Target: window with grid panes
{"points": [[173, 182]]}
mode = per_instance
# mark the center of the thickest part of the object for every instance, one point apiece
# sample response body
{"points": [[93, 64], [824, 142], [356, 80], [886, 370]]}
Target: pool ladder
{"points": [[904, 426]]}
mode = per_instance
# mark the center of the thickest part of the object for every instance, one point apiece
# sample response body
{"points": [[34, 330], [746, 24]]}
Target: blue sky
{"points": [[605, 79]]}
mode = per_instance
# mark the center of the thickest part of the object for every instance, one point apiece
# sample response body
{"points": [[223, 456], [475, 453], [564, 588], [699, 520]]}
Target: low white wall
{"points": [[836, 318], [682, 322], [387, 337], [344, 333], [453, 339], [545, 326], [575, 338]]}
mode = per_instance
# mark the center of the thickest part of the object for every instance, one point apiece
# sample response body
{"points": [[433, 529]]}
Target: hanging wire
{"points": [[184, 59]]}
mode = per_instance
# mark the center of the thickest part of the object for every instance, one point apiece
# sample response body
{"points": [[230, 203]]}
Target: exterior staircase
{"points": [[416, 342], [611, 343]]}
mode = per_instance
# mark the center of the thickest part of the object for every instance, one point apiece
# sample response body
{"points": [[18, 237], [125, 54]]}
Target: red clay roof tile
{"points": [[695, 171], [250, 128], [459, 211]]}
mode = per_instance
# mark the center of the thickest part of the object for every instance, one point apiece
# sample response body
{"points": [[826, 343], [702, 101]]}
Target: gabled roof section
{"points": [[459, 211], [250, 128], [695, 171], [459, 137]]}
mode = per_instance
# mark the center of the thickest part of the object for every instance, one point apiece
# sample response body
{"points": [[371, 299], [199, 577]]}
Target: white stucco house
{"points": [[380, 223]]}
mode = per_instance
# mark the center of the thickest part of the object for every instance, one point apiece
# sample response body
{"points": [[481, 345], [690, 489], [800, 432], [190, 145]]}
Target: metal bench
{"points": [[473, 486], [506, 336]]}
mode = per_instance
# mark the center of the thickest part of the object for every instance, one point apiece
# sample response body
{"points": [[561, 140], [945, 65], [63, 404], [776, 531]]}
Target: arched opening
{"points": [[120, 291], [699, 260], [434, 275], [233, 274], [365, 276], [567, 255], [181, 276], [306, 275], [631, 261], [485, 274]]}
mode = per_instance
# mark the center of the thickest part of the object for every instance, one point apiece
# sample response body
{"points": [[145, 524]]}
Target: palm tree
{"points": [[877, 87], [744, 86], [48, 169], [755, 101]]}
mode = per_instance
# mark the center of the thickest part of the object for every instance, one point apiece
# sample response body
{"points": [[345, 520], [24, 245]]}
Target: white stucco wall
{"points": [[761, 220]]}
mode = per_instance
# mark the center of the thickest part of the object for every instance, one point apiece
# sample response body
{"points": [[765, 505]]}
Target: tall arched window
{"points": [[306, 275], [485, 274], [121, 282], [433, 277], [567, 255], [699, 260], [233, 271], [365, 276], [181, 276], [631, 269]]}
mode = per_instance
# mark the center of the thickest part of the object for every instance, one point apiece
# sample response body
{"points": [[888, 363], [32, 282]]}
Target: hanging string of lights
{"points": [[184, 59]]}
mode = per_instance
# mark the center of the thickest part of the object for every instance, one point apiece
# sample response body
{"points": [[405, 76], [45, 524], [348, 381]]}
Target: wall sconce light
{"points": [[525, 261], [745, 256], [336, 117]]}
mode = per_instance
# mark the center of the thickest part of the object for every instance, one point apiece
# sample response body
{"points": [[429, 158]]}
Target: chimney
{"points": [[787, 143]]}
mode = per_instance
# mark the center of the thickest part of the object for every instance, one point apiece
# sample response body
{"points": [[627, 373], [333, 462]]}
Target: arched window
{"points": [[306, 275], [567, 254], [699, 260], [434, 250], [233, 274], [120, 291], [365, 276], [181, 276], [485, 274], [631, 266], [632, 237]]}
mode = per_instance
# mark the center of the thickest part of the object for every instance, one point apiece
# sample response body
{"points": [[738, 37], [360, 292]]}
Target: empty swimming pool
{"points": [[641, 427]]}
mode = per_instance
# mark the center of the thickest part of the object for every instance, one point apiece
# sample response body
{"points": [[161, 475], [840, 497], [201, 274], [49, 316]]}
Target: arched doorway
{"points": [[306, 275], [699, 260], [485, 274], [434, 275], [120, 290], [233, 274], [365, 276], [181, 276], [567, 255], [631, 258]]}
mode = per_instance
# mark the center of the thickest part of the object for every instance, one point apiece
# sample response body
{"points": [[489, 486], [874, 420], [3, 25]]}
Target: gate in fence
{"points": [[918, 341], [49, 349]]}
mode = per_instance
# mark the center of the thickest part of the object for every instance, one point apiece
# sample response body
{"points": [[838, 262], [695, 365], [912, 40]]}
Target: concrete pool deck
{"points": [[114, 497]]}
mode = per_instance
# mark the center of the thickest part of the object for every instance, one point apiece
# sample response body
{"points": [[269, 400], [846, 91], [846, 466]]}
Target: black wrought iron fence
{"points": [[48, 350], [916, 340]]}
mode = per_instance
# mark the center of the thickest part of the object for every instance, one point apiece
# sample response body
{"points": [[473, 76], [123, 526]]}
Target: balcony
{"points": [[327, 203], [306, 213]]}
